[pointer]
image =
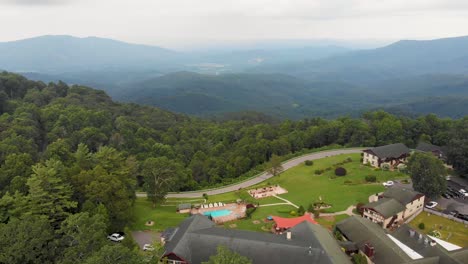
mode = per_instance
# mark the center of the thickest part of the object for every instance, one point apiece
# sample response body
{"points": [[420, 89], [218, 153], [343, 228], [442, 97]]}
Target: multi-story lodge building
{"points": [[393, 154]]}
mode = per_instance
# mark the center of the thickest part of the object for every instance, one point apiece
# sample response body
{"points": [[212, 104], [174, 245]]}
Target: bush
{"points": [[349, 159], [348, 182], [371, 178], [250, 211], [359, 208], [316, 213], [327, 169], [338, 236], [362, 160], [318, 172], [385, 166], [359, 259], [310, 209], [293, 213], [340, 171], [205, 196], [301, 211], [421, 226], [309, 163]]}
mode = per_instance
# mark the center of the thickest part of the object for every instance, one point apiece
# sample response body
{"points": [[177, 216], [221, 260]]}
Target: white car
{"points": [[116, 237], [463, 192], [388, 183], [431, 205], [148, 247]]}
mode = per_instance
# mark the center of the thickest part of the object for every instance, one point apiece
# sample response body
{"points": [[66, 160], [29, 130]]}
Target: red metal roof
{"points": [[291, 222]]}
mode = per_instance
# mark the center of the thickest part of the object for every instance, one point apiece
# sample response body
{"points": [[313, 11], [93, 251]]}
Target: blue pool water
{"points": [[218, 213]]}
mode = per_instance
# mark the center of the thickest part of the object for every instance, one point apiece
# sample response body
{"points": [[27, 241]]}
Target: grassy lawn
{"points": [[305, 187], [453, 232], [260, 215], [163, 216], [330, 221]]}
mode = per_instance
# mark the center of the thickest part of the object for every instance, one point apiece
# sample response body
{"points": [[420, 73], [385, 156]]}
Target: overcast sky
{"points": [[175, 23]]}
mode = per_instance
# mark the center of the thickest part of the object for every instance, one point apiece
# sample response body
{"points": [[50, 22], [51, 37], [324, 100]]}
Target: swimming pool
{"points": [[218, 213]]}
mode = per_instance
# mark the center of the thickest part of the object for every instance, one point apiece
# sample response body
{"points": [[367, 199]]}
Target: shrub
{"points": [[385, 166], [338, 235], [301, 210], [359, 208], [402, 167], [318, 172], [361, 160], [293, 213], [250, 211], [340, 171], [327, 169], [316, 213], [371, 178], [309, 163], [349, 159], [359, 259], [205, 196], [435, 233], [310, 209], [348, 182], [421, 226]]}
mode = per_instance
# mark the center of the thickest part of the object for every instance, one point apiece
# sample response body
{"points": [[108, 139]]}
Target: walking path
{"points": [[264, 205], [261, 177], [348, 211], [288, 202]]}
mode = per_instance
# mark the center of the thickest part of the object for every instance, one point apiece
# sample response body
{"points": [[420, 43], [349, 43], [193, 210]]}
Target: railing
{"points": [[451, 217]]}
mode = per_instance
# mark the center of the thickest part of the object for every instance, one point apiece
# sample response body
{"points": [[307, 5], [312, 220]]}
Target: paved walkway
{"points": [[348, 211], [288, 202], [262, 177]]}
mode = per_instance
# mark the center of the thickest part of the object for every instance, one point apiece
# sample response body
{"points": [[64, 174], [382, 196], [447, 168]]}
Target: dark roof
{"points": [[402, 195], [434, 254], [387, 207], [361, 231], [426, 147], [389, 151], [198, 238]]}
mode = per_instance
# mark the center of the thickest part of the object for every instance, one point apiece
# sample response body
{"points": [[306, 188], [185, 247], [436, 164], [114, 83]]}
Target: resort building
{"points": [[393, 155], [429, 148], [403, 245], [393, 207], [197, 238]]}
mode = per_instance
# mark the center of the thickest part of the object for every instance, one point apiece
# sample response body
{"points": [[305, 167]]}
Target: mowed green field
{"points": [[305, 187], [451, 231]]}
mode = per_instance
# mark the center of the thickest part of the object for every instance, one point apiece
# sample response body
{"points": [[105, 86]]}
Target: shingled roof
{"points": [[402, 195], [389, 151], [387, 207], [198, 238], [361, 231], [431, 254]]}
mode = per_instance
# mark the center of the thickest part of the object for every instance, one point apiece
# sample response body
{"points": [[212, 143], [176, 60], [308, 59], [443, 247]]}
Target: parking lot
{"points": [[460, 203]]}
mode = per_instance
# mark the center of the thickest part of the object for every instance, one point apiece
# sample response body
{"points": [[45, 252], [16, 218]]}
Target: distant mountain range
{"points": [[408, 77]]}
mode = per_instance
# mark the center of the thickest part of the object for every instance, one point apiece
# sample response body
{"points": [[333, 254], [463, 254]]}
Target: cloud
{"points": [[35, 2]]}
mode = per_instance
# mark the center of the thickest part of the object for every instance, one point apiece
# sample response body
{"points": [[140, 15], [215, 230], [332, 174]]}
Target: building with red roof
{"points": [[282, 224]]}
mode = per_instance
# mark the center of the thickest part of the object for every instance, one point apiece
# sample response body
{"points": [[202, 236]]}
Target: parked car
{"points": [[431, 205], [388, 183], [148, 247], [463, 192], [462, 216], [453, 213], [446, 195], [115, 237]]}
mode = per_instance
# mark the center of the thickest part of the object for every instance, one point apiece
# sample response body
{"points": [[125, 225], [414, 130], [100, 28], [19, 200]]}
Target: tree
{"points": [[114, 254], [226, 256], [81, 235], [427, 173], [29, 240], [359, 259], [274, 166], [161, 175], [48, 194]]}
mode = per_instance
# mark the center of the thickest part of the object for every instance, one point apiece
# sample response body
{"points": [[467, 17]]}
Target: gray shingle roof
{"points": [[197, 240], [431, 254], [389, 151], [426, 147], [402, 195], [362, 231], [386, 206]]}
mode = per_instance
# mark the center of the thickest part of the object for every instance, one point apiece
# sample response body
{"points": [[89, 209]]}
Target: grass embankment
{"points": [[451, 231], [163, 216]]}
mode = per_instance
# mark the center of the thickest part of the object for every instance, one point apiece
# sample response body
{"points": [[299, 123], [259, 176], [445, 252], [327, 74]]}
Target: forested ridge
{"points": [[71, 160]]}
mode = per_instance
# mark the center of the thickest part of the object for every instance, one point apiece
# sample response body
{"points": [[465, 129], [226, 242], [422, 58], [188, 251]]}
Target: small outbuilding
{"points": [[184, 208]]}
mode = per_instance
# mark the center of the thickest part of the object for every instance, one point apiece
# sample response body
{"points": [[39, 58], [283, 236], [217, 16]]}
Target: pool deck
{"points": [[237, 212]]}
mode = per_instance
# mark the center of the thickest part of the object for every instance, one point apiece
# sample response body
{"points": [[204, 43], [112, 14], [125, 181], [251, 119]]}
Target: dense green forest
{"points": [[71, 160]]}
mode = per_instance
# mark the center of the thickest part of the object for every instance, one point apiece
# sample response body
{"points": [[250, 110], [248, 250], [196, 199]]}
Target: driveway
{"points": [[262, 177], [145, 237]]}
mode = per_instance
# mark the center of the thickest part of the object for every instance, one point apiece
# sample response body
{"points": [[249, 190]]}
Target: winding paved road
{"points": [[261, 177]]}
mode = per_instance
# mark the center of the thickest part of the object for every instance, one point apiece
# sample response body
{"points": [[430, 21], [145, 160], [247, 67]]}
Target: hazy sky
{"points": [[184, 22]]}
